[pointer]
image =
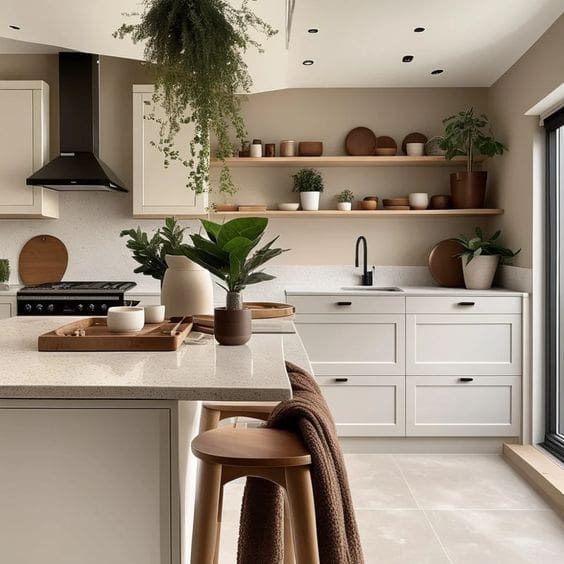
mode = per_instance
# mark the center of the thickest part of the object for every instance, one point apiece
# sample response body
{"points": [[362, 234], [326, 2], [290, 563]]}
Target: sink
{"points": [[373, 288]]}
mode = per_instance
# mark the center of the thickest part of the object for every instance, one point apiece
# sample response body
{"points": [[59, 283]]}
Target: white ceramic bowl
{"points": [[154, 313], [415, 149], [289, 206], [419, 200], [125, 319]]}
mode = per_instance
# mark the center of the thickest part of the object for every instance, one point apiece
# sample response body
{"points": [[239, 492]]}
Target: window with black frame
{"points": [[554, 440]]}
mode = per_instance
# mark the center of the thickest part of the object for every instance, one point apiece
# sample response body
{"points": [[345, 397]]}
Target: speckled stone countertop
{"points": [[205, 371], [406, 291]]}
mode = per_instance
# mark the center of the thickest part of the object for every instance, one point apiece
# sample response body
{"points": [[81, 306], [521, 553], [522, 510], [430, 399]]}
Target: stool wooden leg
{"points": [[288, 543], [302, 508], [207, 513], [209, 419]]}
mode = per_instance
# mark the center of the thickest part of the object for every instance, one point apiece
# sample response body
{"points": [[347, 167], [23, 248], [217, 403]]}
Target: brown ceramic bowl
{"points": [[310, 148], [370, 205], [386, 151], [440, 202], [368, 198]]}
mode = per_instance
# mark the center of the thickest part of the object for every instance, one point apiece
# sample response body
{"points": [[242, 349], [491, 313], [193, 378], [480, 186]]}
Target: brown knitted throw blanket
{"points": [[260, 533]]}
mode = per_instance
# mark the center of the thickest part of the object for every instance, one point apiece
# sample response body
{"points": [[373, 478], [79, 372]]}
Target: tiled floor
{"points": [[435, 509]]}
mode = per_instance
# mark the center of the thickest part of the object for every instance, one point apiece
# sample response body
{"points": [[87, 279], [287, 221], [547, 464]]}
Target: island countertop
{"points": [[252, 372]]}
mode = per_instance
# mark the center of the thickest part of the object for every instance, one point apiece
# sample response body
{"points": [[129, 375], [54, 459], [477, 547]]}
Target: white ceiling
{"points": [[360, 42]]}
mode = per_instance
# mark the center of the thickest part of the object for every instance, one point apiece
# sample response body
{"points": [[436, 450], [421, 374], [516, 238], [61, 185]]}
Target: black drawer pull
{"points": [[466, 379], [341, 379], [466, 303], [344, 303]]}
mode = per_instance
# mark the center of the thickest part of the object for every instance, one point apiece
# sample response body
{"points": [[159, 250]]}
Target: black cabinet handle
{"points": [[344, 303], [466, 303], [341, 379], [466, 379]]}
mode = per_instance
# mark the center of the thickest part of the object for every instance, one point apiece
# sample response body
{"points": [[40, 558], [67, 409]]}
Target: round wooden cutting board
{"points": [[445, 267], [360, 141], [43, 259]]}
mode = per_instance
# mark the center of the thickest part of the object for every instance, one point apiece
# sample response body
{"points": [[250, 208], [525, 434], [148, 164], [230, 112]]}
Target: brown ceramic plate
{"points": [[445, 267], [360, 142]]}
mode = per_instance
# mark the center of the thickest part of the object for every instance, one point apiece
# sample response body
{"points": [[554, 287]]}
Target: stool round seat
{"points": [[264, 448]]}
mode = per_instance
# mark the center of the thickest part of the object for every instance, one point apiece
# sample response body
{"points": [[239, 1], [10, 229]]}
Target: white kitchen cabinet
{"points": [[24, 146], [463, 344], [366, 405], [463, 406], [159, 191], [354, 344], [6, 309], [94, 488]]}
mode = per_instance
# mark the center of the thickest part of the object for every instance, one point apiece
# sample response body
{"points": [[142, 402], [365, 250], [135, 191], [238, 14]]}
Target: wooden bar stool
{"points": [[279, 456]]}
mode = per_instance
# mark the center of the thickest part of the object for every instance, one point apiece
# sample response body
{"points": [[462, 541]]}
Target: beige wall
{"points": [[528, 81]]}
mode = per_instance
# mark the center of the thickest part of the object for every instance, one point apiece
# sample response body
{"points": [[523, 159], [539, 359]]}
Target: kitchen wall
{"points": [[89, 223]]}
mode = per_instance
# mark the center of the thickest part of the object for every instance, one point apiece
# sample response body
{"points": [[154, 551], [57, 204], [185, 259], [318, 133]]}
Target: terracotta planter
{"points": [[468, 190], [480, 272], [232, 326]]}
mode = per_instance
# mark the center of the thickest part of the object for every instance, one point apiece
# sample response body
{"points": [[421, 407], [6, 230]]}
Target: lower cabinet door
{"points": [[5, 311], [463, 406], [366, 406]]}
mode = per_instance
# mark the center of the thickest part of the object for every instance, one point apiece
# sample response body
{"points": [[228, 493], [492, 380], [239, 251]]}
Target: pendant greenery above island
{"points": [[195, 51]]}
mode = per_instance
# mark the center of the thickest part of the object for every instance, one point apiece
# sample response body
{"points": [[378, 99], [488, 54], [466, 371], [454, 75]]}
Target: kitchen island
{"points": [[95, 461]]}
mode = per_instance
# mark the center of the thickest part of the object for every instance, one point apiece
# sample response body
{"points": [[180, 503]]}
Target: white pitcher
{"points": [[187, 288]]}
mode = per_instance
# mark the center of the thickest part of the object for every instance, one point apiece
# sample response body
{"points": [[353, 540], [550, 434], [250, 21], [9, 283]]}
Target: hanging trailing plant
{"points": [[195, 51]]}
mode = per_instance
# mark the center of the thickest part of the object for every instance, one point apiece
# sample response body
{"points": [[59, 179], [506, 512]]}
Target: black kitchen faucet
{"points": [[366, 276]]}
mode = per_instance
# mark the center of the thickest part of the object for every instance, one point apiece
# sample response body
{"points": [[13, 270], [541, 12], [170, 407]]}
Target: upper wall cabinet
{"points": [[159, 191], [24, 146]]}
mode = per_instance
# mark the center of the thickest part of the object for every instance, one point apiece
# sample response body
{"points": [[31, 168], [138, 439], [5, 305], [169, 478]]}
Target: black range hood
{"points": [[78, 167]]}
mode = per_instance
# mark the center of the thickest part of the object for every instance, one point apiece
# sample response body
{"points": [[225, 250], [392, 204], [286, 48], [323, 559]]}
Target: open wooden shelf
{"points": [[343, 161], [367, 214]]}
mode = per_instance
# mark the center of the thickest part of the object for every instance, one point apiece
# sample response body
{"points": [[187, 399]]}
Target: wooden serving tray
{"points": [[98, 338]]}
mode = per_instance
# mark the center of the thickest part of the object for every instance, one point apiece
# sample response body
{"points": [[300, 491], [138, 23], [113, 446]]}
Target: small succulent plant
{"points": [[345, 196]]}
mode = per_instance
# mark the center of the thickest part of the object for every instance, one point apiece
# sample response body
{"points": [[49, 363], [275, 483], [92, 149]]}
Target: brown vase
{"points": [[468, 189], [232, 326]]}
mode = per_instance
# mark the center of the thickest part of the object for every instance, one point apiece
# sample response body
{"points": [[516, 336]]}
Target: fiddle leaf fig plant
{"points": [[195, 53], [483, 246], [467, 134], [150, 252], [226, 253]]}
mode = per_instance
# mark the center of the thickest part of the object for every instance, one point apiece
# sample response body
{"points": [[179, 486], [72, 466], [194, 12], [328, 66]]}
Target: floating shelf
{"points": [[367, 214], [343, 161]]}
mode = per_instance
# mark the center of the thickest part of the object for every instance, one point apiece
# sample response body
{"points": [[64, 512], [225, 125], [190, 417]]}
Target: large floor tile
{"points": [[398, 536], [376, 482], [452, 481], [500, 536]]}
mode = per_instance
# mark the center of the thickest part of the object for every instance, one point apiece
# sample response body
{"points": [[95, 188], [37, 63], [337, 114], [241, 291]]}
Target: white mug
{"points": [[123, 319], [419, 200], [154, 313], [415, 149]]}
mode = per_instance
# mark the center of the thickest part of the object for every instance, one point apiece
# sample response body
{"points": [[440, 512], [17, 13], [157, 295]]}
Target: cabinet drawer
{"points": [[354, 344], [5, 311], [366, 405], [449, 406], [463, 344], [338, 303], [464, 304]]}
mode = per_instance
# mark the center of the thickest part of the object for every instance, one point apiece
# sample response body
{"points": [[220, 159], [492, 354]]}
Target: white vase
{"points": [[480, 272], [310, 200], [344, 206], [187, 288]]}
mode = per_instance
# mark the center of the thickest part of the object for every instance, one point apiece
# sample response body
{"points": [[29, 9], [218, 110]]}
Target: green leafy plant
{"points": [[4, 270], [226, 253], [150, 252], [308, 180], [466, 134], [195, 52], [345, 196], [483, 246]]}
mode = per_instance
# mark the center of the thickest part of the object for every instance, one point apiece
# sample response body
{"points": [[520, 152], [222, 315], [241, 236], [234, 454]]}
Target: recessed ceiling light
{"points": [[313, 30], [437, 71], [419, 29], [407, 59], [307, 62], [17, 27]]}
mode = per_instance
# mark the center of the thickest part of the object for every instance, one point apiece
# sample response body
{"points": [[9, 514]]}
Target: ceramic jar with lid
{"points": [[287, 148], [256, 148]]}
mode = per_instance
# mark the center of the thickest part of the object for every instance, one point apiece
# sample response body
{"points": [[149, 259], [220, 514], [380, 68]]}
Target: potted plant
{"points": [[226, 253], [344, 200], [4, 274], [194, 50], [309, 183], [468, 134], [480, 258]]}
